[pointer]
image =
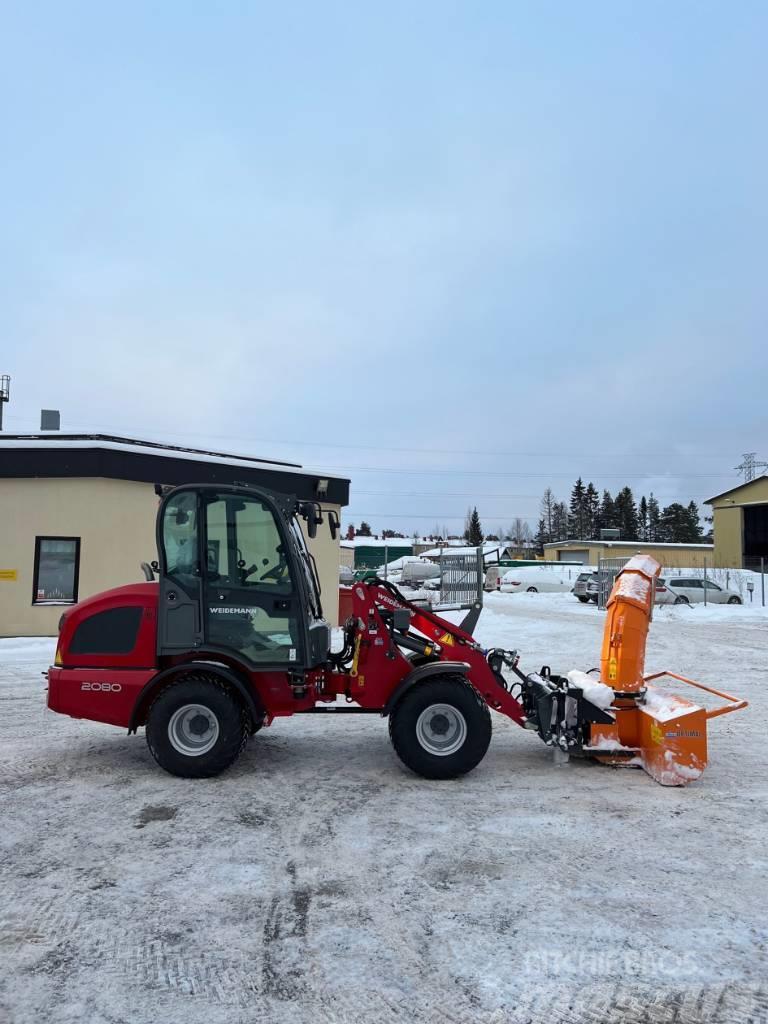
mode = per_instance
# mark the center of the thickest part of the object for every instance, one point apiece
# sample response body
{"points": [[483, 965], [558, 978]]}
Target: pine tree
{"points": [[607, 514], [474, 530], [626, 514], [642, 519], [578, 524], [694, 523], [654, 519], [559, 521], [674, 524], [364, 530], [350, 532], [592, 506], [541, 538]]}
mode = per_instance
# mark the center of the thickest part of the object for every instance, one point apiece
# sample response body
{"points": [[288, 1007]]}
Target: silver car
{"points": [[582, 588], [690, 590]]}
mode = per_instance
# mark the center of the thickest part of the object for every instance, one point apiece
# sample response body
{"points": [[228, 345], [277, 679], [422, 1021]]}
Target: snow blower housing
{"points": [[232, 637]]}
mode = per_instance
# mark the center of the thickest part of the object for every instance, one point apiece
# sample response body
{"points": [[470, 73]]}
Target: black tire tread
{"points": [[217, 760], [439, 690]]}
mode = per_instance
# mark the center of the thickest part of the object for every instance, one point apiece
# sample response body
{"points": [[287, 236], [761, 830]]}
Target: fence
{"points": [[461, 579], [607, 571]]}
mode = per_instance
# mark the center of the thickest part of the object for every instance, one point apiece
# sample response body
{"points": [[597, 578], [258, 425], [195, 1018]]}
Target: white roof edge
{"points": [[624, 544], [169, 453]]}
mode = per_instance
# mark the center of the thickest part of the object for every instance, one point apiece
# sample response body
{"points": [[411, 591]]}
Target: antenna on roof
{"points": [[5, 394], [750, 465]]}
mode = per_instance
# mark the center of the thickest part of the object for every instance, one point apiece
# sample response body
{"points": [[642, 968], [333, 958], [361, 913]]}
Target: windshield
{"points": [[310, 570]]}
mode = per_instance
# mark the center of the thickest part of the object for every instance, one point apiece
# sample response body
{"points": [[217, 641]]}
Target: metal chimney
{"points": [[50, 419], [5, 394]]}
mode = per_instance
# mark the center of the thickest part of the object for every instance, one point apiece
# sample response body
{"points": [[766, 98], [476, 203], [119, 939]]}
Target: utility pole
{"points": [[750, 465], [5, 394]]}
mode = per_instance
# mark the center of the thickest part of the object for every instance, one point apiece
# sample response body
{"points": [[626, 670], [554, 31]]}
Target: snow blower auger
{"points": [[665, 734], [231, 637]]}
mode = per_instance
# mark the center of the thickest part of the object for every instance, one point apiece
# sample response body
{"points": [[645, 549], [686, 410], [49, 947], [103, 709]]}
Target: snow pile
{"points": [[607, 743], [595, 692], [665, 705], [633, 586]]}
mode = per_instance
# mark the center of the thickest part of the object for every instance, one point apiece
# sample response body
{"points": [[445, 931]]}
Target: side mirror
{"points": [[312, 515], [334, 523]]}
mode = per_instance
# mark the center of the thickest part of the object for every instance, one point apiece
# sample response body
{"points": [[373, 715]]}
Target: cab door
{"points": [[180, 624], [251, 606]]}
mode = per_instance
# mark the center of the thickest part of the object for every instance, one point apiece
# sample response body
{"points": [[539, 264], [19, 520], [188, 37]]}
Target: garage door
{"points": [[574, 555]]}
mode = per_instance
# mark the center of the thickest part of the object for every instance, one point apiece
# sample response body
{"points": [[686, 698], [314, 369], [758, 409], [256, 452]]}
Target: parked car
{"points": [[534, 581], [493, 576], [415, 573], [585, 587], [690, 590], [346, 576]]}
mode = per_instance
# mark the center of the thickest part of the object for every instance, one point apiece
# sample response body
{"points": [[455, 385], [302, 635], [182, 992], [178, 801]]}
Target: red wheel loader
{"points": [[231, 636]]}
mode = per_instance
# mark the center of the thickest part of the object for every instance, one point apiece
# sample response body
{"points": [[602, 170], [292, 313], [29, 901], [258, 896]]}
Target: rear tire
{"points": [[531, 590], [681, 600], [584, 600], [441, 728], [196, 728], [734, 600]]}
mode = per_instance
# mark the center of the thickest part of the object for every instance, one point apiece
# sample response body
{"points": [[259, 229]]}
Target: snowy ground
{"points": [[318, 882]]}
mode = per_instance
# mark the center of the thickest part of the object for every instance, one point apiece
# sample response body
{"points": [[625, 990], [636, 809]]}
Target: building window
{"points": [[57, 567]]}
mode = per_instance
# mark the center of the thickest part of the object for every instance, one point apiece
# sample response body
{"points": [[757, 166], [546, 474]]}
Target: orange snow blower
{"points": [[665, 734]]}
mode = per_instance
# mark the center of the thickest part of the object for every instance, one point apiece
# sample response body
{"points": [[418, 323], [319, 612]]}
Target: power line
{"points": [[495, 472], [495, 453], [481, 494], [750, 466]]}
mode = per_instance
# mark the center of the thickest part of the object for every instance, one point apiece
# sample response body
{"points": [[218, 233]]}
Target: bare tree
{"points": [[548, 503], [520, 534]]}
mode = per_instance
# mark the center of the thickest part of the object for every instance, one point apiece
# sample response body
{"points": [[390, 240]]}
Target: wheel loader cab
{"points": [[236, 577]]}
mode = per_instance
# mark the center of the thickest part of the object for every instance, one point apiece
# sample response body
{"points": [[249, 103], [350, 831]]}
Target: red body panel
{"points": [[105, 688], [144, 654], [98, 694]]}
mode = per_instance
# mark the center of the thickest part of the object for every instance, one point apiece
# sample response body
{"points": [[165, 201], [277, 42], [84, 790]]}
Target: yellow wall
{"points": [[115, 520], [728, 528], [670, 558], [729, 520], [755, 490]]}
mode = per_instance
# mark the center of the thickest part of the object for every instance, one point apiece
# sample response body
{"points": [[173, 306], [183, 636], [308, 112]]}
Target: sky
{"points": [[454, 252]]}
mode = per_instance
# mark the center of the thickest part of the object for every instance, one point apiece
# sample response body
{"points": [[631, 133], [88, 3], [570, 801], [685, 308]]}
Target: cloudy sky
{"points": [[456, 252]]}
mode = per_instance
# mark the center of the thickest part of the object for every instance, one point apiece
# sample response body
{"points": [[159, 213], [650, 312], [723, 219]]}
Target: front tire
{"points": [[196, 728], [441, 728], [681, 600], [531, 590], [734, 600], [584, 600]]}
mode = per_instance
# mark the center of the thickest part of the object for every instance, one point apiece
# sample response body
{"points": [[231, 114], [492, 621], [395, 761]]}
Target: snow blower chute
{"points": [[664, 734]]}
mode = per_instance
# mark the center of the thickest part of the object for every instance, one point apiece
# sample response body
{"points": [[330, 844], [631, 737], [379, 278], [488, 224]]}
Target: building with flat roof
{"points": [[77, 516], [589, 552]]}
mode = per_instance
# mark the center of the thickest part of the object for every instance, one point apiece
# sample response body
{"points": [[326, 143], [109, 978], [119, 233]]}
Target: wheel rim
{"points": [[193, 730], [441, 729]]}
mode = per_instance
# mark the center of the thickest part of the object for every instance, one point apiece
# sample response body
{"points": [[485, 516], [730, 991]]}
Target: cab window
{"points": [[180, 545]]}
